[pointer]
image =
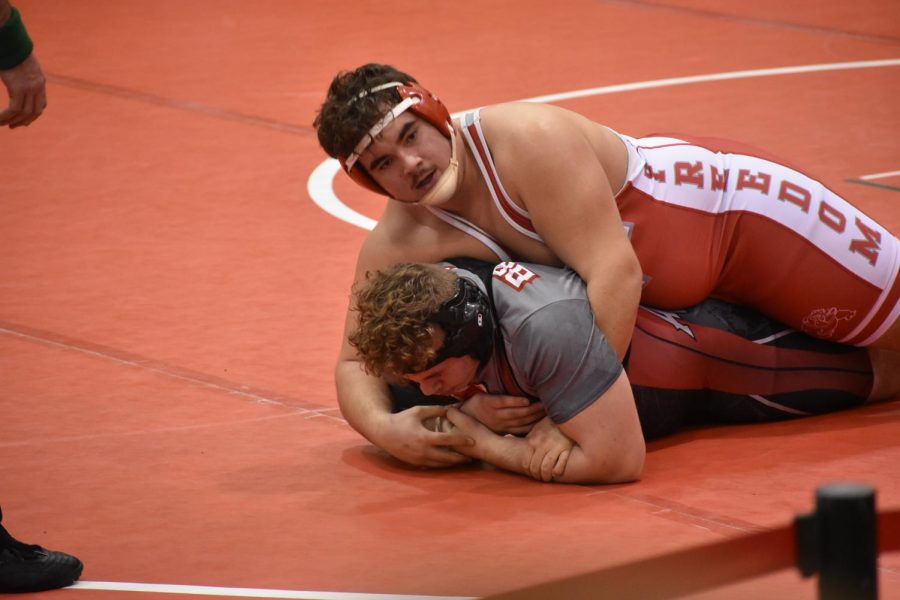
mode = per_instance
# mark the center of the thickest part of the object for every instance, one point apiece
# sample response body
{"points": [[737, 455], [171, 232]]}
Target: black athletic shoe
{"points": [[30, 568]]}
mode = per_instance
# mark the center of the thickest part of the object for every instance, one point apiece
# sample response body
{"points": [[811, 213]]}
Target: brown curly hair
{"points": [[343, 118], [395, 334]]}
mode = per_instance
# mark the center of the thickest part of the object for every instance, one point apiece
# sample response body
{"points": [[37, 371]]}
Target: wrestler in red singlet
{"points": [[714, 218]]}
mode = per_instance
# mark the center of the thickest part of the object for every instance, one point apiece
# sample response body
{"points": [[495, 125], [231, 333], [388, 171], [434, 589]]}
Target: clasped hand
{"points": [[504, 414], [549, 450], [410, 436]]}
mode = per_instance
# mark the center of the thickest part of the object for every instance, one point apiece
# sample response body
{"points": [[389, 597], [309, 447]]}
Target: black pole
{"points": [[848, 549]]}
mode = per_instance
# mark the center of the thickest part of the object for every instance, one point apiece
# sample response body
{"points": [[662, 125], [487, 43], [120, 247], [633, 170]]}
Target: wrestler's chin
{"points": [[415, 195], [410, 201], [426, 185]]}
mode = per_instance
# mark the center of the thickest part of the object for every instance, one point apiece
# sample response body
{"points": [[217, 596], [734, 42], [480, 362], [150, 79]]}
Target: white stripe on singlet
{"points": [[471, 229], [773, 337], [780, 407], [486, 164], [886, 324]]}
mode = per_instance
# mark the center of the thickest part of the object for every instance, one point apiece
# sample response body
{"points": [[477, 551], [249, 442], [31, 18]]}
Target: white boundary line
{"points": [[658, 83], [322, 193], [234, 592], [879, 175], [320, 183]]}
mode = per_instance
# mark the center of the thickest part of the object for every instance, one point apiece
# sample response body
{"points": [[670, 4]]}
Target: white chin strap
{"points": [[446, 185]]}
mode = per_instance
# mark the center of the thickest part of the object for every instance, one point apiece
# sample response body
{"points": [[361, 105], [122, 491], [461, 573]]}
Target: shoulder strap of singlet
{"points": [[516, 216], [471, 229], [485, 272]]}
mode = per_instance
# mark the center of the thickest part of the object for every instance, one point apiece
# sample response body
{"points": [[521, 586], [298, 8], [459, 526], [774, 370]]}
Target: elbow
{"points": [[625, 269], [343, 365], [632, 277], [626, 467], [343, 370], [622, 274], [631, 467]]}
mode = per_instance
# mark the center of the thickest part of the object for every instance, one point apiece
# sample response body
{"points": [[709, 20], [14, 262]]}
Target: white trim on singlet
{"points": [[887, 322], [780, 407], [635, 160], [471, 229], [488, 170], [773, 337]]}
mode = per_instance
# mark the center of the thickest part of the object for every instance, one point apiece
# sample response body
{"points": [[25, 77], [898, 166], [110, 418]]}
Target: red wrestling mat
{"points": [[677, 574], [172, 298]]}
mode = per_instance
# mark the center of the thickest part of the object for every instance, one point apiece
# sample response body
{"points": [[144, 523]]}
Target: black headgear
{"points": [[468, 322]]}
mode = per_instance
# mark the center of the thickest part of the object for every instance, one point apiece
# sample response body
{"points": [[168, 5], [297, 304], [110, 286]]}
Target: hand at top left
{"points": [[26, 86]]}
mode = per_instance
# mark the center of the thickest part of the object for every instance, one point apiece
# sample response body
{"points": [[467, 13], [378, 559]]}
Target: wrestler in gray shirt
{"points": [[733, 364], [713, 363], [555, 350]]}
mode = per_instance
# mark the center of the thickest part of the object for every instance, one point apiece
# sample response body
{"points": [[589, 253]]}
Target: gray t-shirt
{"points": [[555, 350]]}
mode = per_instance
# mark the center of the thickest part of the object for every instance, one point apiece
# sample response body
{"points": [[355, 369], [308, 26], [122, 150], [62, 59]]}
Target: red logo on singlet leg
{"points": [[822, 322]]}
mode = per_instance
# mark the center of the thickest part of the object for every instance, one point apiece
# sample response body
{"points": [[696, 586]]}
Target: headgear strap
{"points": [[377, 128]]}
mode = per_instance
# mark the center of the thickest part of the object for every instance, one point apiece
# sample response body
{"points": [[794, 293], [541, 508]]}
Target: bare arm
{"points": [[366, 404], [364, 399], [608, 443], [562, 181]]}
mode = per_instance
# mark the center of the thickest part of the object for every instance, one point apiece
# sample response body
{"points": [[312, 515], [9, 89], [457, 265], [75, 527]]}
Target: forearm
{"points": [[613, 469], [364, 400], [505, 452], [614, 301], [512, 454]]}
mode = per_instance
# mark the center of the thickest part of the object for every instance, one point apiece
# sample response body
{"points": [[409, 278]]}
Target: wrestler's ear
{"points": [[359, 174]]}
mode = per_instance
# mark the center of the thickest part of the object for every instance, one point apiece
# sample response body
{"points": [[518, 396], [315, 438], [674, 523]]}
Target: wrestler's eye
{"points": [[411, 136], [383, 164]]}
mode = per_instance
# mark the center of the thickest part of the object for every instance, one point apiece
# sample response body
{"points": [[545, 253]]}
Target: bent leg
{"points": [[721, 363], [806, 256]]}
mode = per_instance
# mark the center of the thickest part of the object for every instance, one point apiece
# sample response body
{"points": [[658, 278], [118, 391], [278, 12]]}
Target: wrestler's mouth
{"points": [[425, 181]]}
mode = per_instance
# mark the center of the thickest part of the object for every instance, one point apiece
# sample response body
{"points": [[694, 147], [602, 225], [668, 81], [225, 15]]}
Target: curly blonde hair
{"points": [[395, 334]]}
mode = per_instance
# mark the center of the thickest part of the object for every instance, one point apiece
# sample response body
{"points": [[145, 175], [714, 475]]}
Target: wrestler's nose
{"points": [[410, 162]]}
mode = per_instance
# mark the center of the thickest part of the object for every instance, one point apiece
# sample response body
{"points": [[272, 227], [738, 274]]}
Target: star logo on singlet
{"points": [[672, 319]]}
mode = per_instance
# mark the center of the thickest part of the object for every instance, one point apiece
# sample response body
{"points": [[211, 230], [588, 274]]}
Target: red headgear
{"points": [[412, 97]]}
